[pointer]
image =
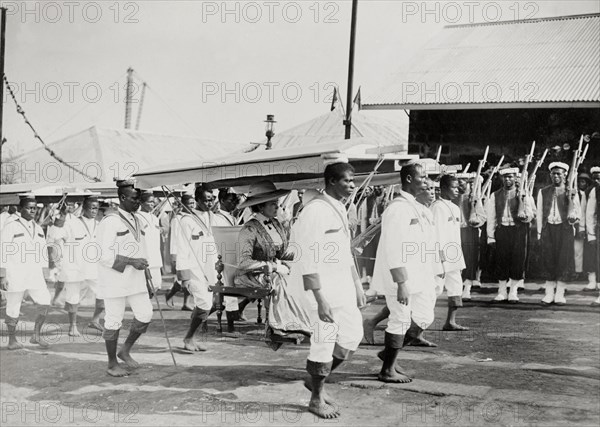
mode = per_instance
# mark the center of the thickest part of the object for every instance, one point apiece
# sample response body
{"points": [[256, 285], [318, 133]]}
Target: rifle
{"points": [[523, 185], [532, 177], [477, 214], [572, 183], [488, 184]]}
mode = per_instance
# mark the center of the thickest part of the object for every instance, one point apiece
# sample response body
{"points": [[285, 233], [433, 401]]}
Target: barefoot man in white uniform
{"points": [[121, 277], [23, 247]]}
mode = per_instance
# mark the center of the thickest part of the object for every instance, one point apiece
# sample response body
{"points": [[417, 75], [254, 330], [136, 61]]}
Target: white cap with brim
{"points": [[595, 169], [507, 171], [560, 165], [262, 192]]}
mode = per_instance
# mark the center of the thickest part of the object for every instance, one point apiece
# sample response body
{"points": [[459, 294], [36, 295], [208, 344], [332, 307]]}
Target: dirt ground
{"points": [[518, 365]]}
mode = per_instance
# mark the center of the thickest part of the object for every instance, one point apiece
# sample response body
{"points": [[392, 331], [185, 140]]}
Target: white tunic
{"points": [[151, 227], [120, 234], [408, 243], [80, 250], [321, 243], [23, 255], [447, 222], [195, 245]]}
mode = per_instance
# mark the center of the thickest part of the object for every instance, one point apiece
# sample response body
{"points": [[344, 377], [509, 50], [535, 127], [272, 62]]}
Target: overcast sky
{"points": [[215, 69]]}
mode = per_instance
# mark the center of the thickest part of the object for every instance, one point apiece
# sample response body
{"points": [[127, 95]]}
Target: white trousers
{"points": [[420, 309], [75, 291], [231, 303], [346, 332], [140, 304], [203, 297], [453, 283], [14, 299]]}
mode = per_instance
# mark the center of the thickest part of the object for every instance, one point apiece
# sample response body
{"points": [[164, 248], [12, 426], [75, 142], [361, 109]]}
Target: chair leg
{"points": [[219, 312], [259, 308]]}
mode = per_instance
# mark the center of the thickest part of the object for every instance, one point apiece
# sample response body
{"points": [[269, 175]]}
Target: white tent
{"points": [[330, 128], [108, 153]]}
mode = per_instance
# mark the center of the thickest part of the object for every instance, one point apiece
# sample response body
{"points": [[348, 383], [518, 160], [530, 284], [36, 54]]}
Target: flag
{"points": [[357, 100], [334, 99]]}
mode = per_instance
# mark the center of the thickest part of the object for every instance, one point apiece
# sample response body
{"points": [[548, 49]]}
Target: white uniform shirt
{"points": [[446, 219], [321, 243], [81, 251], [408, 243], [507, 219], [120, 234], [195, 246], [151, 227], [224, 219], [23, 255]]}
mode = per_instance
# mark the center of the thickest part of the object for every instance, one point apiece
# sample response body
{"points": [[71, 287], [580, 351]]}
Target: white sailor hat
{"points": [[462, 175], [333, 158], [560, 165], [595, 169], [506, 171]]}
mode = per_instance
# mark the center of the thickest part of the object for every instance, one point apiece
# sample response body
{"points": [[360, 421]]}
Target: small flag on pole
{"points": [[357, 100], [334, 99]]}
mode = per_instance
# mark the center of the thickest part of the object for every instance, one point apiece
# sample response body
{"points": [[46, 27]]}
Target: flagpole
{"points": [[348, 121]]}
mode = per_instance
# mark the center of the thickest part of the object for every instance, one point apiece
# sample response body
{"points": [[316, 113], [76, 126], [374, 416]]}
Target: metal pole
{"points": [[139, 116], [348, 121], [128, 94], [2, 43]]}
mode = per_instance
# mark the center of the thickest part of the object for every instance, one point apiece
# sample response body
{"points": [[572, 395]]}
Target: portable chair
{"points": [[226, 239]]}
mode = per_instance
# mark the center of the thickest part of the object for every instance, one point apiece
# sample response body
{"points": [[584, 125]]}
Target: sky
{"points": [[215, 69]]}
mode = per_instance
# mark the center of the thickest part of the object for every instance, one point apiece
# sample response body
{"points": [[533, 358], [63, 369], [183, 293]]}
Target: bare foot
{"points": [[169, 302], [15, 345], [125, 357], [394, 377], [454, 327], [73, 332], [369, 331], [323, 410], [39, 341], [417, 342], [117, 371], [326, 398], [96, 325], [397, 367], [191, 345]]}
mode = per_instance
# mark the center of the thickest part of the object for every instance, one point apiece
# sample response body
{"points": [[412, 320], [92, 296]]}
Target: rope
{"points": [[39, 138]]}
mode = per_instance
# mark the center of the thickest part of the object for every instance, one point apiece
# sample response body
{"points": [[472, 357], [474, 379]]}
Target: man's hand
{"points": [[139, 263], [3, 284], [325, 312], [402, 293]]}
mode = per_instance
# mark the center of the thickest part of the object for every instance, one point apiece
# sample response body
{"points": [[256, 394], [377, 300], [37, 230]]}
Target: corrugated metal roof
{"points": [[329, 127], [531, 61]]}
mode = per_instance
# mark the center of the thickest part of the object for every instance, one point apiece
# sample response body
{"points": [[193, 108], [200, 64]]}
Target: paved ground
{"points": [[518, 365]]}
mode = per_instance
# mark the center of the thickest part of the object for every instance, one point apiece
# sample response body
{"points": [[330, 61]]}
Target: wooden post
{"points": [[348, 121]]}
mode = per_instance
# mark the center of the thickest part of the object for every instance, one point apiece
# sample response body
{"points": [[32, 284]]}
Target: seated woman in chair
{"points": [[262, 264]]}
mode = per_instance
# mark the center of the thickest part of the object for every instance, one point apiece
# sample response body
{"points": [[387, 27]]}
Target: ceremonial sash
{"points": [[330, 203], [86, 227], [134, 229]]}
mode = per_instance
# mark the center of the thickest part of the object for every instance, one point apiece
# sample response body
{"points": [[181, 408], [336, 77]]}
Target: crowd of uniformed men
{"points": [[110, 254]]}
